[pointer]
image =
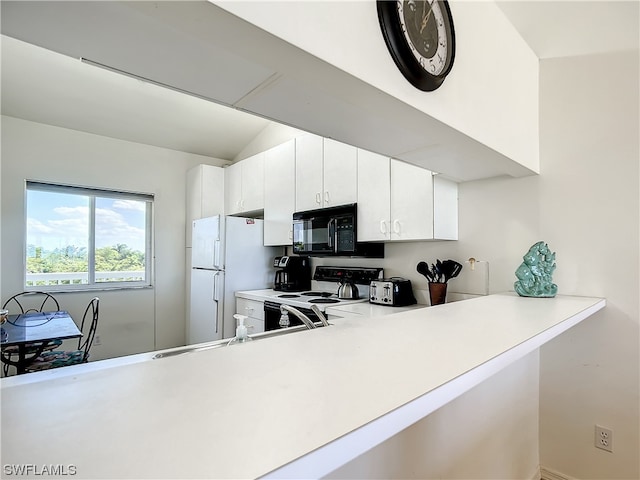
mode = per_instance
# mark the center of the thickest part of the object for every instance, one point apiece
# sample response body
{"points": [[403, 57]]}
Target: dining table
{"points": [[31, 333]]}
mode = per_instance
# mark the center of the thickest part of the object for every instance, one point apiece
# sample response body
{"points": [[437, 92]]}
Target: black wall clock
{"points": [[420, 37]]}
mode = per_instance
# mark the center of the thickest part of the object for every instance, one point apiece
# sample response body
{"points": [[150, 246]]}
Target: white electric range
{"points": [[323, 293]]}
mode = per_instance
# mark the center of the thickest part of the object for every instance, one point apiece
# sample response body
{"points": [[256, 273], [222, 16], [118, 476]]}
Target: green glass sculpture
{"points": [[535, 272]]}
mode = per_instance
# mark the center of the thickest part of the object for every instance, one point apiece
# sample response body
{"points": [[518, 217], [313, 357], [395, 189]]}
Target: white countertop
{"points": [[295, 405], [368, 309]]}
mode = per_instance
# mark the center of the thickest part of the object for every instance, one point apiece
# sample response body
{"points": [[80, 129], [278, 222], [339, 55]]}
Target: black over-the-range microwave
{"points": [[331, 231]]}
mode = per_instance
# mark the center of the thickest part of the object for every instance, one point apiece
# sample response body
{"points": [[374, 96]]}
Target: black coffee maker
{"points": [[293, 274]]}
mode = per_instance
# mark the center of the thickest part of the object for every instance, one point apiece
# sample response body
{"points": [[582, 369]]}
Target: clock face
{"points": [[420, 37]]}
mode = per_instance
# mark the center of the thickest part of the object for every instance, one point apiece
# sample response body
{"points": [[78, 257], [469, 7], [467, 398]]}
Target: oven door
{"points": [[272, 316]]}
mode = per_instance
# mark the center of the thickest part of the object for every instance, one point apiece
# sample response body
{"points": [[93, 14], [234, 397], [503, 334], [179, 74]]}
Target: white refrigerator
{"points": [[227, 255]]}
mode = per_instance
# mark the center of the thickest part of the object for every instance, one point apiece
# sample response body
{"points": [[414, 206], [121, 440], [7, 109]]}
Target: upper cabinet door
{"points": [[340, 173], [374, 196], [308, 184], [244, 185], [233, 188], [411, 202], [253, 183], [279, 194], [205, 194]]}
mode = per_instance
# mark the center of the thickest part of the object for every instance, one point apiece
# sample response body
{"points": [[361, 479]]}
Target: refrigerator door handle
{"points": [[216, 290], [216, 254]]}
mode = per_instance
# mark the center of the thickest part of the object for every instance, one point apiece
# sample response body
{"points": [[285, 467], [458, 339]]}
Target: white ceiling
{"points": [[574, 27], [51, 88], [47, 87]]}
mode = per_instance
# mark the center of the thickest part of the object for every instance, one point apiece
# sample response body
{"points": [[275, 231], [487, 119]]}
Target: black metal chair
{"points": [[64, 358], [25, 302]]}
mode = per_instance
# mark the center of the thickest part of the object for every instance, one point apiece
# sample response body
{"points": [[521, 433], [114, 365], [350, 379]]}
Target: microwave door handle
{"points": [[331, 233]]}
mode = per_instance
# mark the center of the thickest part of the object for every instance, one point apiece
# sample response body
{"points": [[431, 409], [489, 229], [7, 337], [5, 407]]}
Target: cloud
{"points": [[35, 227], [112, 228], [71, 227], [136, 205]]}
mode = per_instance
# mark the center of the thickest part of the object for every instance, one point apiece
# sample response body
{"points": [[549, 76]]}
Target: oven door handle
{"points": [[273, 306]]}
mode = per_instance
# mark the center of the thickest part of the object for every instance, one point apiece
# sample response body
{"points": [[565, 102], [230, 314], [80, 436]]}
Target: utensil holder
{"points": [[437, 293]]}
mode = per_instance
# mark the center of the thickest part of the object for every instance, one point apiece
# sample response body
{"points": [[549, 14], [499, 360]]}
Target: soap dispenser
{"points": [[241, 330]]}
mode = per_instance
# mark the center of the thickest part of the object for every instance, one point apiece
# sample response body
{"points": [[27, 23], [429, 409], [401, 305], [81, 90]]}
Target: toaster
{"points": [[395, 291]]}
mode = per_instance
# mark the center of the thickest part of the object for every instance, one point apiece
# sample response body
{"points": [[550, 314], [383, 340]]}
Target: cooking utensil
{"points": [[450, 269], [439, 272], [423, 269]]}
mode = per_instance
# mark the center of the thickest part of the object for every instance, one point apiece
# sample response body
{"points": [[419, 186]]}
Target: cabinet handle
{"points": [[383, 226], [396, 226], [248, 309], [326, 198], [290, 234], [318, 200]]}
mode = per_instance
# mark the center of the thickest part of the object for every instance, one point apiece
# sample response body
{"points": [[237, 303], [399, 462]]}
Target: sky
{"points": [[57, 220]]}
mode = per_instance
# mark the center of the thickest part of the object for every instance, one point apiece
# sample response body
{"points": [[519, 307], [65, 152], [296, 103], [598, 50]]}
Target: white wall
{"points": [[131, 321], [491, 93], [589, 212], [272, 135]]}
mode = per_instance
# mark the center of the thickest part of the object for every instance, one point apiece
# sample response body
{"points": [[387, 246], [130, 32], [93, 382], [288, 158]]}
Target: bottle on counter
{"points": [[242, 334]]}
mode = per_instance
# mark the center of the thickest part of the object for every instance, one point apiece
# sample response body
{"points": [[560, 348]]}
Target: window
{"points": [[83, 238]]}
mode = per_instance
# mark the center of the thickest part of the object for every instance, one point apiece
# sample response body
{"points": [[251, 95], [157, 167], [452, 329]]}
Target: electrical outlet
{"points": [[97, 340], [604, 438]]}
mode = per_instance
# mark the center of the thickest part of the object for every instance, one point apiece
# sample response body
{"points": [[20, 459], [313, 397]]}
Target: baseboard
{"points": [[548, 474]]}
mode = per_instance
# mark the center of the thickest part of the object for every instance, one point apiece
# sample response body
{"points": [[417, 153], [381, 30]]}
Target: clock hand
{"points": [[425, 19]]}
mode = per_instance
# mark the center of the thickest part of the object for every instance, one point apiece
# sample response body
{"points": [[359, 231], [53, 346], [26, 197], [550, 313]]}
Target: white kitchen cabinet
{"points": [[340, 173], [326, 173], [398, 201], [233, 188], [374, 196], [411, 202], [279, 194], [254, 310], [244, 185], [205, 194], [308, 174]]}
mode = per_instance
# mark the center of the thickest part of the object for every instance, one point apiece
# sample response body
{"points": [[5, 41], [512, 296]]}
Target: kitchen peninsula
{"points": [[292, 406]]}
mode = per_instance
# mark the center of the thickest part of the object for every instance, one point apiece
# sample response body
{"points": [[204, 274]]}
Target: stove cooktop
{"points": [[324, 300], [321, 298], [317, 294]]}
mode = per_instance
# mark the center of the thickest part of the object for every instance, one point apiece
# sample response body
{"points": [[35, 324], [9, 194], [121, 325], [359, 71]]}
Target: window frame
{"points": [[92, 193]]}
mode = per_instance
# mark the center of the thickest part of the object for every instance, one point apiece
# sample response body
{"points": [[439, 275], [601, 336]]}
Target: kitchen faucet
{"points": [[286, 309], [320, 315]]}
